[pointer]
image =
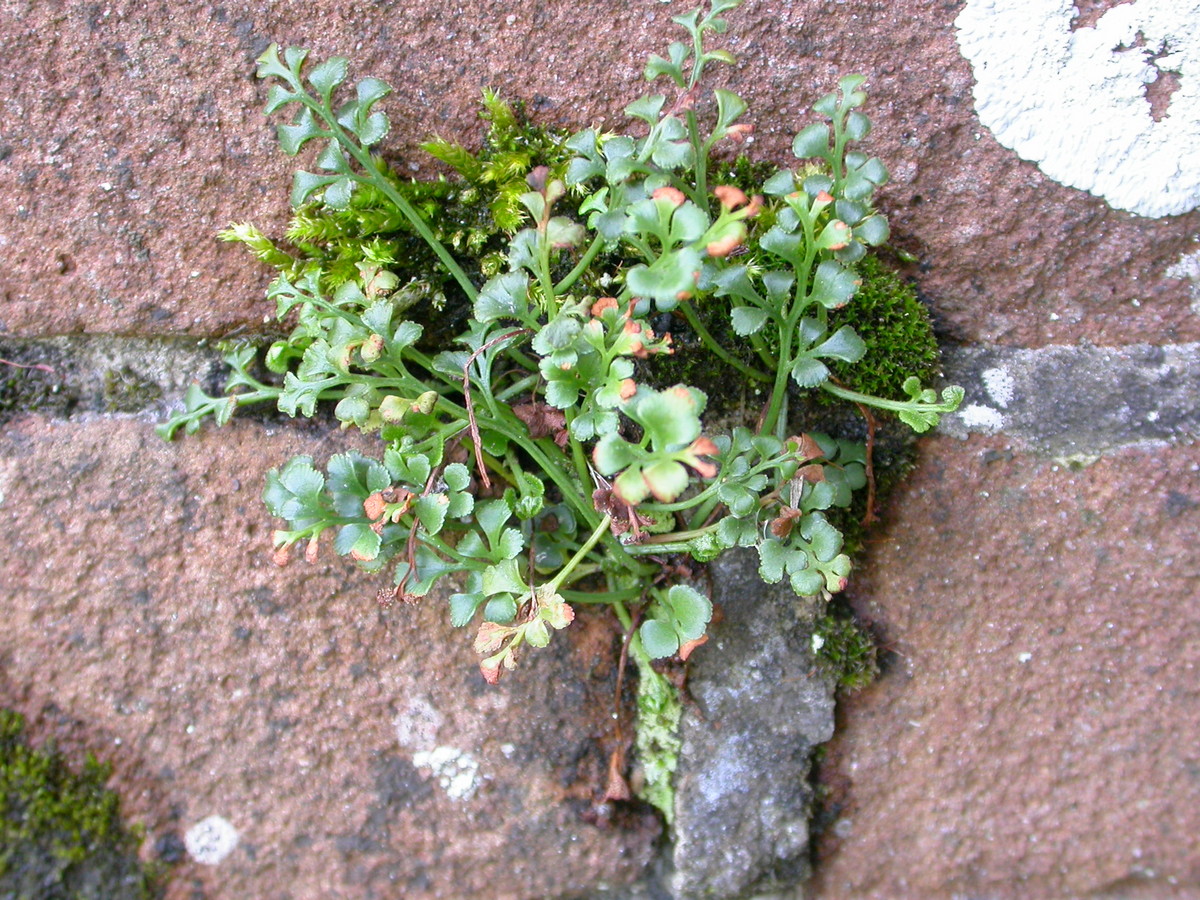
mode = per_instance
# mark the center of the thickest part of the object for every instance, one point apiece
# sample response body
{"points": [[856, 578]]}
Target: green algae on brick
{"points": [[61, 835]]}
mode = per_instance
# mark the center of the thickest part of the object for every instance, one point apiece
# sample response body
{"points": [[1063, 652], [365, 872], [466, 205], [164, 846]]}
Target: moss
{"points": [[845, 650], [33, 382], [126, 391], [895, 326], [61, 836]]}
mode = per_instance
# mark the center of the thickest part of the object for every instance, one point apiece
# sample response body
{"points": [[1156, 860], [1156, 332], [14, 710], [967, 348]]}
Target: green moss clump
{"points": [[61, 836], [126, 391], [846, 650], [895, 326], [30, 381]]}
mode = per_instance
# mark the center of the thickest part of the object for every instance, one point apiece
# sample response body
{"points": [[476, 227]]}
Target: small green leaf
{"points": [[357, 540], [826, 540], [536, 633], [811, 141], [501, 609], [834, 284], [671, 417], [503, 577], [369, 91], [740, 500], [780, 184], [672, 274], [293, 137], [787, 246], [666, 479], [503, 297], [730, 107], [772, 557], [612, 453], [872, 231], [269, 65], [431, 511], [747, 320], [463, 607], [807, 582], [279, 96], [457, 476], [646, 108], [809, 373], [690, 611], [658, 638], [328, 75], [374, 129], [843, 344], [857, 126]]}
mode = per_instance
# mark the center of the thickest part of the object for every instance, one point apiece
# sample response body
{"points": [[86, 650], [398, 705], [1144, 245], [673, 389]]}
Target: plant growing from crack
{"points": [[536, 459]]}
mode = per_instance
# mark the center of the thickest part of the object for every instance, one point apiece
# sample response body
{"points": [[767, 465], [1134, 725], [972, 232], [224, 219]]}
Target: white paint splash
{"points": [[210, 840], [456, 770], [1074, 102]]}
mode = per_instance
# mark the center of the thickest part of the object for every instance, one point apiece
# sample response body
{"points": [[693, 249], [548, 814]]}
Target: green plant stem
{"points": [[517, 387], [610, 597], [779, 390], [597, 534], [764, 352], [674, 542], [582, 266], [871, 400], [700, 150], [544, 277], [710, 343], [577, 456]]}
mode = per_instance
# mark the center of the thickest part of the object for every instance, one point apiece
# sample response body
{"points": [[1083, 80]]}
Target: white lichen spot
{"points": [[1075, 101], [418, 723], [1188, 267], [1000, 385], [976, 417], [210, 840], [455, 770], [1024, 657]]}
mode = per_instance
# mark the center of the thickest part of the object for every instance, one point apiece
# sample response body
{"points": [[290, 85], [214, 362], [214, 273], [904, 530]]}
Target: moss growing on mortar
{"points": [[31, 381], [126, 391], [845, 650], [61, 836]]}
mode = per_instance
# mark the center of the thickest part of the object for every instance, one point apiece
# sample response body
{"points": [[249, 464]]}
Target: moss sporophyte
{"points": [[528, 449]]}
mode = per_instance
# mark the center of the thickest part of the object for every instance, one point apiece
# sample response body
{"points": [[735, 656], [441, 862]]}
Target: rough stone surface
{"points": [[1077, 400], [1034, 735], [131, 132], [758, 698], [356, 753]]}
